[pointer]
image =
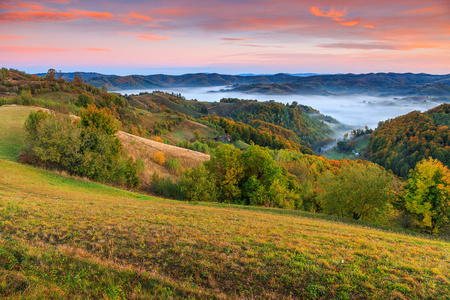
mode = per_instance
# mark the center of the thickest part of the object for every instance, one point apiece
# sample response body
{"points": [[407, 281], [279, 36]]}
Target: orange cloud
{"points": [[100, 16], [140, 17], [44, 16], [20, 5], [351, 23], [36, 16], [335, 14], [369, 26]]}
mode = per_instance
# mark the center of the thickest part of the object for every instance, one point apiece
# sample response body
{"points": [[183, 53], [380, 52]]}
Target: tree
{"points": [[77, 79], [84, 100], [198, 185], [357, 190], [101, 119], [51, 74], [197, 135], [225, 165], [427, 195]]}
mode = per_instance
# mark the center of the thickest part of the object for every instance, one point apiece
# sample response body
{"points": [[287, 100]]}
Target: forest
{"points": [[400, 143]]}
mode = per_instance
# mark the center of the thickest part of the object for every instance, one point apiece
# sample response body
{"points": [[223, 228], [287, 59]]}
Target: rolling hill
{"points": [[377, 84]]}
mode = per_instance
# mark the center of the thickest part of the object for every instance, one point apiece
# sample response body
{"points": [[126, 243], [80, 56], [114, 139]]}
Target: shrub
{"points": [[84, 100], [56, 142], [174, 166], [166, 187], [158, 157]]}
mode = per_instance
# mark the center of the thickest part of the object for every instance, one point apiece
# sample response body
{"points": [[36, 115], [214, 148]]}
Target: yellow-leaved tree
{"points": [[427, 195]]}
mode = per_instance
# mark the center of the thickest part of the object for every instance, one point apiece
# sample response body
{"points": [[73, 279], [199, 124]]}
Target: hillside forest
{"points": [[255, 153]]}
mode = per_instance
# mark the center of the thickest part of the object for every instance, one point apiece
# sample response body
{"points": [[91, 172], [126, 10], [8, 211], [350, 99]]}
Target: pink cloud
{"points": [[235, 39], [95, 49], [11, 37], [262, 46], [146, 36], [377, 46], [27, 50]]}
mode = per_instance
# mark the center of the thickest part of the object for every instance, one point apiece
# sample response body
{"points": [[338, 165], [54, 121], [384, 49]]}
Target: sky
{"points": [[228, 37]]}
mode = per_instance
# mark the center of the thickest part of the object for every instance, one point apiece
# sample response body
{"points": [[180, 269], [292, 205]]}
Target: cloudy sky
{"points": [[233, 36]]}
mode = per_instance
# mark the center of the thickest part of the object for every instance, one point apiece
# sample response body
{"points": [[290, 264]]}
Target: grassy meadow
{"points": [[67, 238], [360, 146], [12, 133]]}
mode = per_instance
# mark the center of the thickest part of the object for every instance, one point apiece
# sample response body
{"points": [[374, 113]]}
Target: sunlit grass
{"points": [[68, 238], [12, 134]]}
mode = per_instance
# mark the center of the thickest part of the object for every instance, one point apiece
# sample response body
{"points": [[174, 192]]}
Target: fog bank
{"points": [[353, 111]]}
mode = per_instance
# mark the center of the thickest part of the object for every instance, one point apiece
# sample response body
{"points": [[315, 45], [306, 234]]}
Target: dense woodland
{"points": [[399, 144], [275, 170]]}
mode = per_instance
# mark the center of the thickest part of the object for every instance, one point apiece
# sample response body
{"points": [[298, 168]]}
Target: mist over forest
{"points": [[352, 110]]}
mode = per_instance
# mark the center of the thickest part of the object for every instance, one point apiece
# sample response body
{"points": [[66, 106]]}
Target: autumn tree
{"points": [[51, 74], [77, 79], [427, 195], [101, 119]]}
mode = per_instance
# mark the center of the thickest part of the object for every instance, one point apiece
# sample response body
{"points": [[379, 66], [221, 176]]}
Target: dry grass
{"points": [[77, 239], [138, 147]]}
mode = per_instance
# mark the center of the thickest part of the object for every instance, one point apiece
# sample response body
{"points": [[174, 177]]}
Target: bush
{"points": [[158, 157], [174, 166], [197, 184], [84, 100], [166, 187], [56, 142]]}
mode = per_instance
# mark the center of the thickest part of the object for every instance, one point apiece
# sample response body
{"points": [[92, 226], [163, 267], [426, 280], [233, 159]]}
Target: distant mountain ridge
{"points": [[377, 84]]}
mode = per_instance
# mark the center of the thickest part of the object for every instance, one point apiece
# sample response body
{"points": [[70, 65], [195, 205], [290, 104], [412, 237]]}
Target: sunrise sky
{"points": [[233, 36]]}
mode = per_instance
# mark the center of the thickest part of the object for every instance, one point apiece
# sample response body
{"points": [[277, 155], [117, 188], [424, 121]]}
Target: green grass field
{"points": [[12, 134], [360, 145], [66, 238]]}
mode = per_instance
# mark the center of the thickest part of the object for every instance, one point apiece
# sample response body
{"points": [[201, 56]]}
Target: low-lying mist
{"points": [[352, 111]]}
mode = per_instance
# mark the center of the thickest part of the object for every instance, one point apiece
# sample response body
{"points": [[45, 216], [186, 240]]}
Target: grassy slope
{"points": [[70, 238], [12, 134], [67, 238]]}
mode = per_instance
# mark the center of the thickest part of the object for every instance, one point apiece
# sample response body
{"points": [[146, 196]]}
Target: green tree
{"points": [[197, 184], [226, 167], [357, 190], [84, 100], [427, 195]]}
